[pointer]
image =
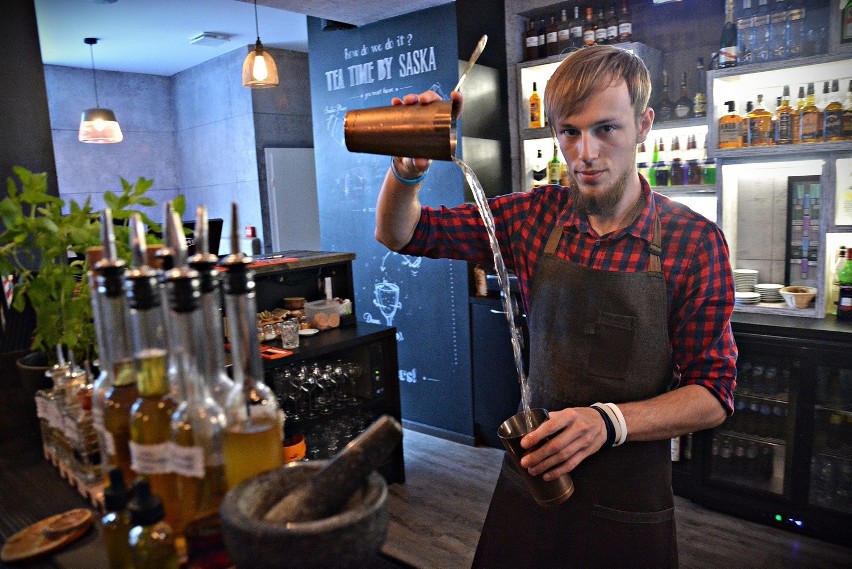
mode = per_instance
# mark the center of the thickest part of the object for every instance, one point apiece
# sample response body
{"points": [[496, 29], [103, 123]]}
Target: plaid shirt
{"points": [[694, 262]]}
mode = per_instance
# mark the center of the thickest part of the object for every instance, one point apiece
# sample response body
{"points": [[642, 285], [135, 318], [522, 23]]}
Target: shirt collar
{"points": [[641, 228]]}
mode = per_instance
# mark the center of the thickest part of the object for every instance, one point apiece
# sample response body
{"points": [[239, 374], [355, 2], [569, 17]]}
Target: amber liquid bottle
{"points": [[833, 115], [809, 120], [759, 125], [151, 414], [253, 438], [784, 119], [797, 116], [730, 128], [535, 108]]}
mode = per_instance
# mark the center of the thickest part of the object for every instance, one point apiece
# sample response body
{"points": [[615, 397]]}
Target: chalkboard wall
{"points": [[426, 300]]}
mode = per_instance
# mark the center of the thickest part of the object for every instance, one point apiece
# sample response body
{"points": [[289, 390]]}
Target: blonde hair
{"points": [[584, 72]]}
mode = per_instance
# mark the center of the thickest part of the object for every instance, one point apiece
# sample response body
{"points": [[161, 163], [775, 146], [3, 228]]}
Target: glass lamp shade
{"points": [[259, 70], [99, 126]]}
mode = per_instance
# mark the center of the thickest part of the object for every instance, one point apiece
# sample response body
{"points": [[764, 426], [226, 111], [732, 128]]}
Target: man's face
{"points": [[599, 145]]}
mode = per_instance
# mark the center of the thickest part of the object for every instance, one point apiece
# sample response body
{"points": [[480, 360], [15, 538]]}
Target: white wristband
{"points": [[613, 419], [622, 424]]}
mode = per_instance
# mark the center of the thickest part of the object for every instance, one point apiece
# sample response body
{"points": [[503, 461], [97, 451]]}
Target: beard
{"points": [[603, 203]]}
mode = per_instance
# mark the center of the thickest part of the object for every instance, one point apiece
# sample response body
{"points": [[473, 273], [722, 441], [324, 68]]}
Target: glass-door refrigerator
{"points": [[785, 456]]}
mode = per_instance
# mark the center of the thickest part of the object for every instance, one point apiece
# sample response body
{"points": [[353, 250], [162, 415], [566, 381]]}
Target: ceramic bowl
{"points": [[798, 296]]}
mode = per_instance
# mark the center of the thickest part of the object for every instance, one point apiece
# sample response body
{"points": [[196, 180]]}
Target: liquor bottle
{"points": [[625, 24], [535, 108], [612, 26], [760, 52], [551, 37], [821, 103], [784, 119], [563, 33], [834, 295], [730, 128], [809, 119], [676, 166], [539, 169], [252, 441], [844, 302], [115, 524], [683, 106], [745, 33], [151, 413], [795, 29], [152, 540], [777, 31], [699, 101], [531, 42], [728, 40], [198, 423], [600, 28], [212, 357], [589, 28], [115, 389], [797, 116], [833, 115], [652, 166], [576, 29], [542, 38], [847, 113], [665, 107], [554, 167], [759, 125], [748, 110]]}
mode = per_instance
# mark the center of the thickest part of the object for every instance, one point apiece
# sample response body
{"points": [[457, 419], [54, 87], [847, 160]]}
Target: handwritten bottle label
{"points": [[187, 461], [150, 459]]}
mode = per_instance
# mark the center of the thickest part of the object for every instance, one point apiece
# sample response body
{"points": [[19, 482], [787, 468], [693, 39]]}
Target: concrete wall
{"points": [[199, 133], [144, 109]]}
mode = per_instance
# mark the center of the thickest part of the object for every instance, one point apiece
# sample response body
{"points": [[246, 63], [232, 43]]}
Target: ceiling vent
{"points": [[210, 38]]}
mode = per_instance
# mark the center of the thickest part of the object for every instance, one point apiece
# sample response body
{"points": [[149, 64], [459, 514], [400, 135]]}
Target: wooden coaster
{"points": [[46, 535]]}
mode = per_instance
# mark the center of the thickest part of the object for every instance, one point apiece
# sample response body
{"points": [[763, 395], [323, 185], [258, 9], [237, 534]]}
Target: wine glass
{"points": [[339, 370], [353, 372]]}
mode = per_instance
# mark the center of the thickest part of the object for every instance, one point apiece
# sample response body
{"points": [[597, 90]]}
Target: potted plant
{"points": [[44, 246]]}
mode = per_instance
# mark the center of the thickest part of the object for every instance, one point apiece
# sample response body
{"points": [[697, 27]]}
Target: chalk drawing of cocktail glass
{"points": [[387, 300]]}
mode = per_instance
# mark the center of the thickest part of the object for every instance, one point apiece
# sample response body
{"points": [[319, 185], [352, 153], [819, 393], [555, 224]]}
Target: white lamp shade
{"points": [[99, 126], [259, 69]]}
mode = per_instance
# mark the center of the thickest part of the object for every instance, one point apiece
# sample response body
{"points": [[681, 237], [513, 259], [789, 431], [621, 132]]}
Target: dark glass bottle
{"points": [[576, 29], [531, 42], [699, 101], [625, 24], [683, 106], [551, 37], [600, 28], [612, 26], [665, 107], [728, 40]]}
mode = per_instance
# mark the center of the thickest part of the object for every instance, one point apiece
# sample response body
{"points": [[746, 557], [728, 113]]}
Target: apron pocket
{"points": [[635, 540], [611, 350]]}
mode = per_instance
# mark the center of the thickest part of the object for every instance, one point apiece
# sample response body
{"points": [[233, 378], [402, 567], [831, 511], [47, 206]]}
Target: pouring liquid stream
{"points": [[509, 306]]}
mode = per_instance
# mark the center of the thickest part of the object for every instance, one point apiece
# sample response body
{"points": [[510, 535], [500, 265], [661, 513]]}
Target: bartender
{"points": [[629, 297]]}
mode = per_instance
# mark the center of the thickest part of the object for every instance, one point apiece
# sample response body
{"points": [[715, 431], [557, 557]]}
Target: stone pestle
{"points": [[328, 491]]}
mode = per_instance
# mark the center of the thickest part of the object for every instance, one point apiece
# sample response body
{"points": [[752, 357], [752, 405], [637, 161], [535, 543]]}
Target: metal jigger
{"points": [[513, 429]]}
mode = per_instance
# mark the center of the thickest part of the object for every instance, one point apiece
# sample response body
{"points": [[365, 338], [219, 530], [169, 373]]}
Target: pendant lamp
{"points": [[259, 71], [98, 125]]}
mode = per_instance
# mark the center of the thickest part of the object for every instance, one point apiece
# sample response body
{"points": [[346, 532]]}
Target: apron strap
{"points": [[655, 248]]}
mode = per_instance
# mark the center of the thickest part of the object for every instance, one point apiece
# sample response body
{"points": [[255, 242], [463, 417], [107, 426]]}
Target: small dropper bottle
{"points": [[255, 423], [116, 522], [152, 541]]}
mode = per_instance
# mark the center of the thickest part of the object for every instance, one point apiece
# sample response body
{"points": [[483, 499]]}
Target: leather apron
{"points": [[595, 336]]}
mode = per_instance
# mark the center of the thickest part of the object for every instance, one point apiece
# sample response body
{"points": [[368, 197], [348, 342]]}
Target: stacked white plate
{"points": [[744, 280], [769, 292], [746, 298]]}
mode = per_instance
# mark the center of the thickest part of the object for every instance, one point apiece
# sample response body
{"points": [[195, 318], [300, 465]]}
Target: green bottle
{"points": [[152, 541], [116, 522]]}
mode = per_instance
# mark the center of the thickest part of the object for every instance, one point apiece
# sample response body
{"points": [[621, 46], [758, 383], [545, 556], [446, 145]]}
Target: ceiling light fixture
{"points": [[259, 70], [98, 125]]}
